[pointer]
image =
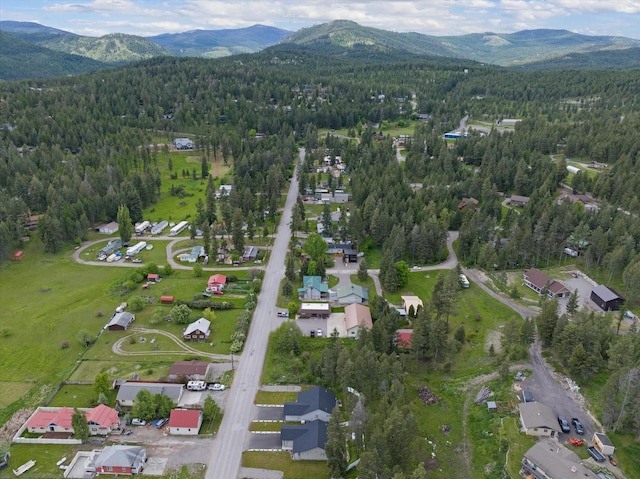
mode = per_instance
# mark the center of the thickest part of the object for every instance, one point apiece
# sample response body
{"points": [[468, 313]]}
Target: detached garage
{"points": [[606, 298]]}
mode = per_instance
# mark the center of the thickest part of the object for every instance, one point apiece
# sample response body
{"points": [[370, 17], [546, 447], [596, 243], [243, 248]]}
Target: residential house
{"points": [[314, 310], [313, 289], [335, 197], [357, 317], [345, 251], [120, 321], [183, 144], [538, 281], [108, 228], [305, 442], [189, 371], [153, 277], [51, 419], [548, 459], [197, 331], [102, 420], [250, 253], [538, 419], [225, 190], [519, 201], [352, 294], [129, 390], [312, 404], [409, 302], [606, 298], [470, 203], [216, 282], [117, 460], [185, 422], [403, 338], [196, 253]]}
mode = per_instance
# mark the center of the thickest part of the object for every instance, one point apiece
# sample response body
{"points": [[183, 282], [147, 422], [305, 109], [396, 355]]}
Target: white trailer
{"points": [[159, 227], [141, 227], [179, 228], [134, 250], [111, 258]]}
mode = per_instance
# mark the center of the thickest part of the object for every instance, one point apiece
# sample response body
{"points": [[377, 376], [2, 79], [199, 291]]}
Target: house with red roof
{"points": [[538, 281], [102, 420], [185, 422], [51, 419], [216, 282]]}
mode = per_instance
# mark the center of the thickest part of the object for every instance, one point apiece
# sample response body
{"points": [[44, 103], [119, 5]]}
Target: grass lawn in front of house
{"points": [[281, 461], [79, 395], [46, 457], [275, 397]]}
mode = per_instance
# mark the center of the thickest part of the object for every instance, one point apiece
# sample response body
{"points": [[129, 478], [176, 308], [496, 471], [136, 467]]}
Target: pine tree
{"points": [[335, 447]]}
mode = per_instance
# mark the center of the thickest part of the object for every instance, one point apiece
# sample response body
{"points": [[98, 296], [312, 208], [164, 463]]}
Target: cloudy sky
{"points": [[431, 17]]}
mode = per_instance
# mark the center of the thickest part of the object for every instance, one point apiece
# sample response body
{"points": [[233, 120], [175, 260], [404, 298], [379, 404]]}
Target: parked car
{"points": [[216, 387], [160, 422], [138, 422], [577, 425], [283, 314], [128, 432], [564, 424], [319, 333], [527, 396]]}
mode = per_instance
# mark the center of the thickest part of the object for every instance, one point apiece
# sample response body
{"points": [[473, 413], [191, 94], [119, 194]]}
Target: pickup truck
{"points": [[597, 455]]}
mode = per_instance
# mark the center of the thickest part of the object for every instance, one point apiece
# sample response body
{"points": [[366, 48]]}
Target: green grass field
{"points": [[282, 461]]}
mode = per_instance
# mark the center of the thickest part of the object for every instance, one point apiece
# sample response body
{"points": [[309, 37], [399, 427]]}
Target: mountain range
{"points": [[31, 50]]}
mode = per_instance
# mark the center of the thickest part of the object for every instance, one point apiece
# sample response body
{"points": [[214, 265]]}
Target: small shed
{"points": [[153, 277], [166, 299], [492, 406], [17, 256], [603, 444]]}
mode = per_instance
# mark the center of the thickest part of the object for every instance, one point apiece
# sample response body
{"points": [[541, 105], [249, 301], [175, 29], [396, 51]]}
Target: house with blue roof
{"points": [[316, 403], [313, 289], [305, 442], [352, 294]]}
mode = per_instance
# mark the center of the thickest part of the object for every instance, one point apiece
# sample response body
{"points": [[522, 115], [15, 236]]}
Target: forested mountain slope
{"points": [[20, 59]]}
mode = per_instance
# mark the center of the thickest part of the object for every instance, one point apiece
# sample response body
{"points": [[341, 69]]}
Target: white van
{"points": [[196, 385], [464, 282]]}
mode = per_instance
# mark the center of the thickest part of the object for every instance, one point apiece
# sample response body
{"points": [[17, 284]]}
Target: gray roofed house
{"points": [[130, 389], [517, 200], [316, 403], [120, 321], [117, 460], [305, 442], [198, 330], [352, 294], [548, 459], [538, 419]]}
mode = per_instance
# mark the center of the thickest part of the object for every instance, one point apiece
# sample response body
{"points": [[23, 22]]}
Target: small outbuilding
{"points": [[606, 298], [185, 422], [603, 444], [166, 299], [17, 256]]}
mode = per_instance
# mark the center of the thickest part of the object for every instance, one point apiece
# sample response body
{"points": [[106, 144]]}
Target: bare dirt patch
{"points": [[12, 425]]}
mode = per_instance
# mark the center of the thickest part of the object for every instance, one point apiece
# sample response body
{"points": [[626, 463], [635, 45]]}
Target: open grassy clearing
{"points": [[282, 461], [12, 391], [260, 426], [88, 369], [46, 457], [518, 444]]}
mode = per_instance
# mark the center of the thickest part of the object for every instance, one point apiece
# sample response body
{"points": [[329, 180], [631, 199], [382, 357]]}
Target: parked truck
{"points": [[597, 455]]}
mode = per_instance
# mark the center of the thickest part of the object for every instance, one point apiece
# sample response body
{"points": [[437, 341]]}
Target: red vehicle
{"points": [[576, 442]]}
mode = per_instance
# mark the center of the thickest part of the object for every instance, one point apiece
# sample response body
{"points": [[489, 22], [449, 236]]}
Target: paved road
{"points": [[226, 456]]}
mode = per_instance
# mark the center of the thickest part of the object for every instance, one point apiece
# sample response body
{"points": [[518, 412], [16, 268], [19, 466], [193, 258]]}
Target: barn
{"points": [[606, 298]]}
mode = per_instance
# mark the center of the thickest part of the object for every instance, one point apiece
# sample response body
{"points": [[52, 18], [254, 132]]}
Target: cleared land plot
{"points": [[281, 461], [12, 391]]}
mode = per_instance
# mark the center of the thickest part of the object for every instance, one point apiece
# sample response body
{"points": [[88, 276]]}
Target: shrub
{"points": [[64, 344]]}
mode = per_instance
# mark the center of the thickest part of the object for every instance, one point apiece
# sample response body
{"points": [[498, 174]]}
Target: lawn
{"points": [[46, 457], [281, 461], [77, 395], [12, 391], [275, 397], [518, 444], [627, 453]]}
